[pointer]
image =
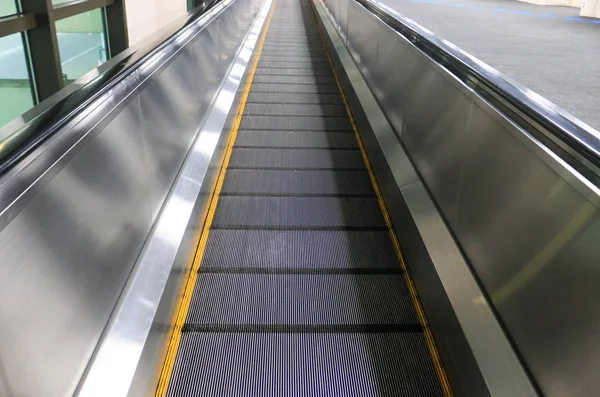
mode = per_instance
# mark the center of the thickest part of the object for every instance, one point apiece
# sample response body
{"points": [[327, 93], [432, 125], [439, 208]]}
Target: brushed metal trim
{"points": [[17, 23]]}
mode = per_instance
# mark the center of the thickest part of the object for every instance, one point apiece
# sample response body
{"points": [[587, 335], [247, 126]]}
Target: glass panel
{"points": [[8, 7], [81, 43], [15, 87]]}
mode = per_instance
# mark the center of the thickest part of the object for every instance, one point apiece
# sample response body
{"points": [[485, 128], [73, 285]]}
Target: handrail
{"points": [[554, 126], [22, 135]]}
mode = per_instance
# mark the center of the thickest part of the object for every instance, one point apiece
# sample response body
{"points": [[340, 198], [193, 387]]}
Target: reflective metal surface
{"points": [[477, 355], [525, 218], [551, 124], [113, 368], [75, 216]]}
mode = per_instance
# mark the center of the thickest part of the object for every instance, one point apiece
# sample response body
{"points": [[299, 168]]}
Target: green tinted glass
{"points": [[7, 7], [15, 86], [81, 43]]}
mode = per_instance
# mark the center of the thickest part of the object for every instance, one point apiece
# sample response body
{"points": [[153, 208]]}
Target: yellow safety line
{"points": [[439, 369], [167, 369]]}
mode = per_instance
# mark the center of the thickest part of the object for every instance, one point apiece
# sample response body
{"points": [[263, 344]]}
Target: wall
{"points": [[588, 8], [145, 17]]}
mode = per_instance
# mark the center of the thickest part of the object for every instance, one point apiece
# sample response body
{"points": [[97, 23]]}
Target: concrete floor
{"points": [[549, 49]]}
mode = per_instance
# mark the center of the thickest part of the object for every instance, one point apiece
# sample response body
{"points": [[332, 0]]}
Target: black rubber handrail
{"points": [[21, 136], [573, 140]]}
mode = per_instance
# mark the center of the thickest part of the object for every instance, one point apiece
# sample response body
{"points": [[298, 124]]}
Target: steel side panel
{"points": [[523, 218], [463, 326], [76, 240], [529, 234]]}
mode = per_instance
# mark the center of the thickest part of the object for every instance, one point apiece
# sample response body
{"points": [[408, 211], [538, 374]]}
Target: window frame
{"points": [[36, 21]]}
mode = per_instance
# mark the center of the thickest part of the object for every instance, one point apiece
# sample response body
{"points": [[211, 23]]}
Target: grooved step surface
{"points": [[285, 109], [293, 37], [297, 88], [286, 49], [294, 79], [312, 98], [292, 31], [299, 249], [300, 299], [308, 365], [297, 182], [292, 72], [295, 158], [311, 123], [298, 139], [287, 57], [293, 42], [288, 42], [240, 212]]}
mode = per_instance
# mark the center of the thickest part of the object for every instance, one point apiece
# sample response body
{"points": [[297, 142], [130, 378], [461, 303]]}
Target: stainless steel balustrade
{"points": [[77, 211], [526, 220]]}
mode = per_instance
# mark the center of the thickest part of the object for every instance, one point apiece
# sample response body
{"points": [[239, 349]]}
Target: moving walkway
{"points": [[296, 198], [300, 290]]}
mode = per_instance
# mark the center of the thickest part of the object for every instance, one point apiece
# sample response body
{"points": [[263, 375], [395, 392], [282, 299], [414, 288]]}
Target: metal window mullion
{"points": [[115, 25], [43, 48], [16, 23]]}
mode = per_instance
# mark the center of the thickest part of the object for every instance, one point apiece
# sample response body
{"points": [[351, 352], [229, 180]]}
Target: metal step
{"points": [[309, 183], [294, 97], [295, 109], [296, 158], [301, 299], [298, 139], [296, 122], [300, 249], [303, 364], [298, 213]]}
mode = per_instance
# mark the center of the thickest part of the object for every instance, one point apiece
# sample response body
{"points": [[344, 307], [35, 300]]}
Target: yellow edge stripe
{"points": [[439, 369], [167, 369]]}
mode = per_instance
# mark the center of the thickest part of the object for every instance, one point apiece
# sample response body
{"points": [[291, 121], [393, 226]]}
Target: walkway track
{"points": [[296, 287]]}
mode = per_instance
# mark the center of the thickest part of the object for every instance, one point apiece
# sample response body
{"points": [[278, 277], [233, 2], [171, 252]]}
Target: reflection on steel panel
{"points": [[76, 214], [523, 217], [64, 253]]}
